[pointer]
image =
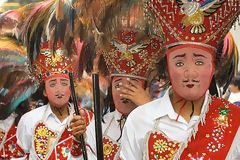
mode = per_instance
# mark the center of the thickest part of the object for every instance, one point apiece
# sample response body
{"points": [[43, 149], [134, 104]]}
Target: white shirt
{"points": [[110, 128], [234, 97], [7, 123], [142, 120], [28, 122]]}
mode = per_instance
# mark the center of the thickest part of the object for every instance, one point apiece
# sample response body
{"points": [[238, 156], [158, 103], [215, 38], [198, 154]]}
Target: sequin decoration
{"points": [[160, 147], [217, 135], [2, 134], [65, 151], [110, 148], [126, 55], [43, 139]]}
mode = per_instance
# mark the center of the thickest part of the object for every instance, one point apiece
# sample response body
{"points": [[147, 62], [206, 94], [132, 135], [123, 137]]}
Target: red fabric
{"points": [[76, 149], [160, 147], [213, 139], [207, 23], [88, 116], [65, 144], [50, 64], [131, 57], [19, 152], [9, 147], [216, 137], [110, 149]]}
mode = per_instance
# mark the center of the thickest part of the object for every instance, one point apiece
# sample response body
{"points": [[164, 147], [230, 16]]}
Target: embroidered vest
{"points": [[110, 148], [213, 139], [8, 144]]}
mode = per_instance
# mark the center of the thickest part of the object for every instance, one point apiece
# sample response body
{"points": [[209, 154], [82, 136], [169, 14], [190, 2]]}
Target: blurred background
{"points": [[13, 4]]}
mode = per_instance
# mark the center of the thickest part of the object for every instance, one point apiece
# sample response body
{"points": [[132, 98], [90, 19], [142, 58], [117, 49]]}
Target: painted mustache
{"points": [[193, 80], [125, 101], [59, 95]]}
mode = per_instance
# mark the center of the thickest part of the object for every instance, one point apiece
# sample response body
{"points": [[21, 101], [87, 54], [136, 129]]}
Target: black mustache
{"points": [[125, 101], [193, 80], [59, 95]]}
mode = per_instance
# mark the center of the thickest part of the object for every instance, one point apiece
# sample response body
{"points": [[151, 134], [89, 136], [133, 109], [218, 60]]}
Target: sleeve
{"points": [[90, 136], [130, 145], [24, 138], [234, 152]]}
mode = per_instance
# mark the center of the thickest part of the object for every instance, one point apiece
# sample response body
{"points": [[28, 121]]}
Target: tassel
{"points": [[59, 10]]}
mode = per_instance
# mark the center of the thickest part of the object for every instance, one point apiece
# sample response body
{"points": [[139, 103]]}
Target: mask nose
{"points": [[190, 74]]}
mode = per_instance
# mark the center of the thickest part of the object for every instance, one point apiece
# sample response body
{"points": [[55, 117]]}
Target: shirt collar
{"points": [[167, 108], [117, 115], [48, 111]]}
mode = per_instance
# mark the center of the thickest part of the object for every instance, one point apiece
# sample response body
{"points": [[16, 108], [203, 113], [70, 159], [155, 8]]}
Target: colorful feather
{"points": [[227, 63]]}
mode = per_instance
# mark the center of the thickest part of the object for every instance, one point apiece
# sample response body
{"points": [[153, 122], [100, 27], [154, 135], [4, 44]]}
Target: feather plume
{"points": [[16, 95], [102, 20], [227, 62], [11, 21], [50, 21]]}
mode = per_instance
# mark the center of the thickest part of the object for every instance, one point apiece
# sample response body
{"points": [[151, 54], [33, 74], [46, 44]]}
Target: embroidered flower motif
{"points": [[12, 147], [42, 131], [53, 60], [222, 119], [2, 134], [224, 111], [40, 147], [65, 151], [197, 156], [109, 148], [43, 140], [160, 146]]}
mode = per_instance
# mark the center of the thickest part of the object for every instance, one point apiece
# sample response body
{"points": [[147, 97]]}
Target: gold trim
{"points": [[128, 75], [189, 42]]}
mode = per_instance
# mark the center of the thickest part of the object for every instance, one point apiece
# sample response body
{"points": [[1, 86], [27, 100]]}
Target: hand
{"points": [[78, 124], [135, 93]]}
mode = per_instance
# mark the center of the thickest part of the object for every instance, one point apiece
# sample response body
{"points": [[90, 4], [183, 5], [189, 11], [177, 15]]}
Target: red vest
{"points": [[110, 148], [213, 139], [9, 145], [44, 139]]}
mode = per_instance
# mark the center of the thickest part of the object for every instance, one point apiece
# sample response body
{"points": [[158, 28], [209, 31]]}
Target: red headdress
{"points": [[127, 57], [133, 47], [201, 22], [50, 64], [197, 23]]}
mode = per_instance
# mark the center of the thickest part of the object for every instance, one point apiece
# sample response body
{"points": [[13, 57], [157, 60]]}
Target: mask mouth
{"points": [[190, 83]]}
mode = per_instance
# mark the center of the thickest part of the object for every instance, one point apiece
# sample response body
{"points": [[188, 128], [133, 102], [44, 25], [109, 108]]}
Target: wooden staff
{"points": [[97, 116], [75, 103]]}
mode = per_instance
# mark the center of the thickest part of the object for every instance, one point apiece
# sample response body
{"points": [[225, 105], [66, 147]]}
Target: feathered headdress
{"points": [[16, 83], [122, 37], [51, 20], [11, 21], [227, 63], [48, 64]]}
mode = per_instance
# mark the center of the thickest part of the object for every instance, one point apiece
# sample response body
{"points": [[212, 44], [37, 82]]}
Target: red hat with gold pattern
{"points": [[50, 64], [131, 57], [198, 22]]}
